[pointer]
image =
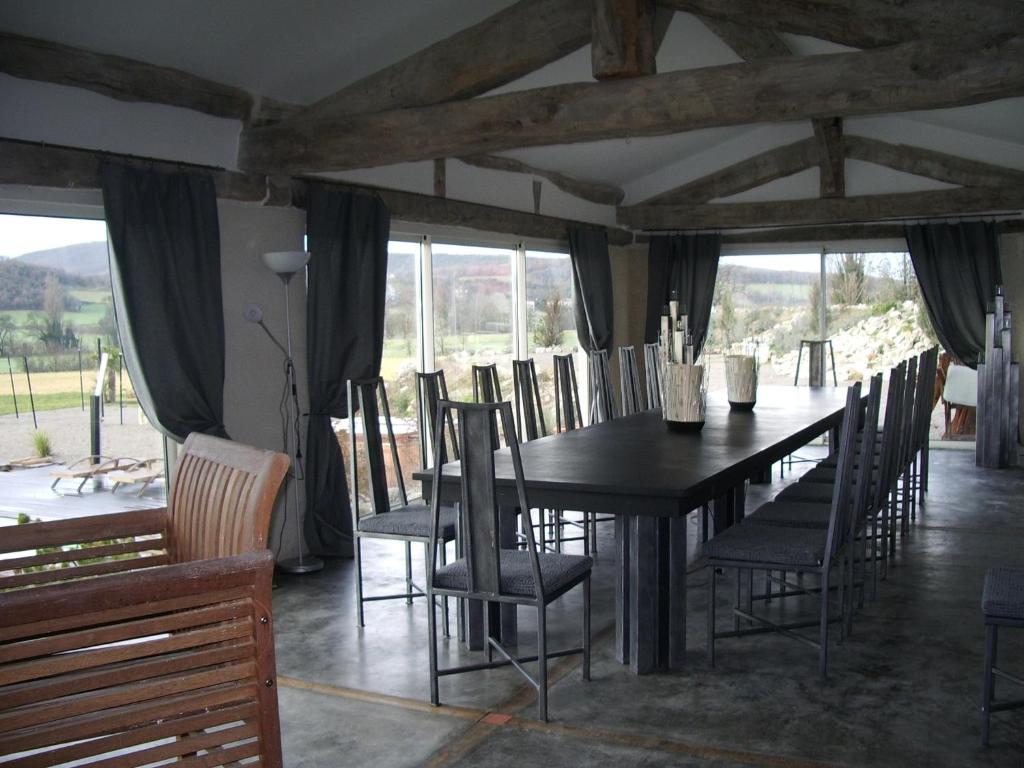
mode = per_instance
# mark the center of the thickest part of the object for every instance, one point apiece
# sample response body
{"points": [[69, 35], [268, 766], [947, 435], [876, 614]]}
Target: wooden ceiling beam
{"points": [[748, 42], [920, 75], [931, 164], [592, 191], [829, 134], [134, 81], [747, 174], [33, 164], [865, 23], [622, 40], [865, 208], [827, 233], [514, 42]]}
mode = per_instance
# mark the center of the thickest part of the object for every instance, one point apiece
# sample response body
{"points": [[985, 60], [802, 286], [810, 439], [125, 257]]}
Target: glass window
{"points": [[473, 314], [551, 322]]}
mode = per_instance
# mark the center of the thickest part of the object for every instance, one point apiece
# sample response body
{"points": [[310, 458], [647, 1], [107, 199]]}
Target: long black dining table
{"points": [[650, 477]]}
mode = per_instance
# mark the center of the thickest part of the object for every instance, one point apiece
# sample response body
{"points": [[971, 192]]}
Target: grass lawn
{"points": [[53, 402], [52, 391]]}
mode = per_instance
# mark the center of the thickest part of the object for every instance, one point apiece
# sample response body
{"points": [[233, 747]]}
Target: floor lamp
{"points": [[285, 264]]}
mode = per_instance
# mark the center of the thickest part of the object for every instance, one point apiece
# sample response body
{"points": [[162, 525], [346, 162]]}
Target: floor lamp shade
{"points": [[285, 262]]}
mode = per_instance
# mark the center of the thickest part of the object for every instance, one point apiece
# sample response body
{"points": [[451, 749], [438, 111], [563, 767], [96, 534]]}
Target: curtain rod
{"points": [[1000, 216]]}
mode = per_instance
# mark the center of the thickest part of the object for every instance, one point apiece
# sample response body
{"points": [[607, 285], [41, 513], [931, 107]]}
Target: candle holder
{"points": [[685, 397], [741, 381]]}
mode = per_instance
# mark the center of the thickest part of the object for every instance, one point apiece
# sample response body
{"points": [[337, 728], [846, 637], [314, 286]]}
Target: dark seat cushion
{"points": [[556, 571], [413, 520], [792, 514], [815, 493], [820, 474], [768, 544], [1003, 595]]}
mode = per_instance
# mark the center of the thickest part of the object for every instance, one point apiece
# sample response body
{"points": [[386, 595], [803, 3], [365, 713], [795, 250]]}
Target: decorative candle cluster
{"points": [[684, 385], [676, 338]]}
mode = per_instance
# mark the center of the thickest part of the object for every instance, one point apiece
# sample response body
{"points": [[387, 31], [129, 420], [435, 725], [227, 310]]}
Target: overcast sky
{"points": [[24, 234]]}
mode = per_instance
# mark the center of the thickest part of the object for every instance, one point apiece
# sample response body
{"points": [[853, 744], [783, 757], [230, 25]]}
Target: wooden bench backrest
{"points": [[222, 498], [164, 663], [221, 504]]}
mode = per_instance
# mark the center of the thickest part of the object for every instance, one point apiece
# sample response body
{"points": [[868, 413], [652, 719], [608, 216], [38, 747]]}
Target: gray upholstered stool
{"points": [[1002, 602]]}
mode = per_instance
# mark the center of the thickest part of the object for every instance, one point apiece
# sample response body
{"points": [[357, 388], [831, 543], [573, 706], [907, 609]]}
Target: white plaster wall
{"points": [[254, 368]]}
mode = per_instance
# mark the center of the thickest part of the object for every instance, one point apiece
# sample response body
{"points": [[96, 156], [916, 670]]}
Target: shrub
{"points": [[41, 441]]}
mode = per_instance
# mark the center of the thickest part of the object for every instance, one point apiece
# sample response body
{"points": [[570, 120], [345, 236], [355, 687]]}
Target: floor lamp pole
{"points": [[303, 563]]}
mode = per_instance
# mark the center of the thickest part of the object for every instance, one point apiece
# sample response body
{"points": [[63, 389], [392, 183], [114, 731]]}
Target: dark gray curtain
{"points": [[165, 274], [348, 239], [688, 265], [958, 269], [592, 287]]}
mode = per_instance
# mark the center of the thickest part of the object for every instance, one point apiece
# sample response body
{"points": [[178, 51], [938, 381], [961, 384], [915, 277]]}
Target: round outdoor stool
{"points": [[1002, 602]]}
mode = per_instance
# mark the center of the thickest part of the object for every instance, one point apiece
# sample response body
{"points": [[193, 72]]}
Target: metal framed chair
{"points": [[568, 416], [531, 423], [753, 547], [487, 389], [431, 389], [602, 394], [485, 571], [408, 523], [629, 382], [652, 371], [1002, 603], [567, 395]]}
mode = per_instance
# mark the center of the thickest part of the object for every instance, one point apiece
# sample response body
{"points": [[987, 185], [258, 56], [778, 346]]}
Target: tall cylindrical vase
{"points": [[741, 381], [685, 388]]}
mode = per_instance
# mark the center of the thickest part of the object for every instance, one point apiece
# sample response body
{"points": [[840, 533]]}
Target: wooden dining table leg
{"points": [[677, 533]]}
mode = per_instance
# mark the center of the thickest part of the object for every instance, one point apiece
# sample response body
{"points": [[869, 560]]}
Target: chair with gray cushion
{"points": [[487, 572], [813, 509], [1002, 603], [406, 522], [751, 547], [629, 382], [487, 389]]}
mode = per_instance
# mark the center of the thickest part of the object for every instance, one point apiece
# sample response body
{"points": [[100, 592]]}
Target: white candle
{"points": [[673, 309]]}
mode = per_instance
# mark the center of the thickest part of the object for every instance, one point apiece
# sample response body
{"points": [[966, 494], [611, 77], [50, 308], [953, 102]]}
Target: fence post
{"points": [[81, 376], [14, 393], [120, 385], [31, 399]]}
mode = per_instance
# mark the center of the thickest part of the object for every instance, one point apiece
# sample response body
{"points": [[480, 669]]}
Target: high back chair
{"points": [[755, 546], [431, 389], [485, 571], [487, 389], [629, 382], [652, 372], [567, 395], [220, 505], [529, 410], [405, 522], [602, 395]]}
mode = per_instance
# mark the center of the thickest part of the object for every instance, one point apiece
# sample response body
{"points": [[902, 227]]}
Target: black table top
{"points": [[639, 456]]}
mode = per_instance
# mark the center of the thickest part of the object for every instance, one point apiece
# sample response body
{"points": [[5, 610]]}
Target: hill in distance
{"points": [[81, 259]]}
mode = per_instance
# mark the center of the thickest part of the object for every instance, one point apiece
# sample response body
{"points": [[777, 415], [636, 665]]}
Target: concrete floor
{"points": [[903, 690]]}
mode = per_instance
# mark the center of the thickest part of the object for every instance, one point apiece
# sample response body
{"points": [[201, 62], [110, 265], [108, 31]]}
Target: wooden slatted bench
{"points": [[128, 669]]}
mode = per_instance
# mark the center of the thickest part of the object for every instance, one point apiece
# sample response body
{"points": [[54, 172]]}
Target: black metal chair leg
{"points": [[988, 687], [823, 630], [586, 628], [711, 616], [357, 552], [432, 631], [408, 573], [542, 664], [445, 624]]}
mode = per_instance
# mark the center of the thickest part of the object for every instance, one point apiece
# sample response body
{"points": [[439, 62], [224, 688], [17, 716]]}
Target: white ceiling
{"points": [[303, 51]]}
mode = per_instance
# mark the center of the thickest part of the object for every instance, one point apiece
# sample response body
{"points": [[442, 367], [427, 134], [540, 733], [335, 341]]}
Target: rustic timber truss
{"points": [[910, 55]]}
